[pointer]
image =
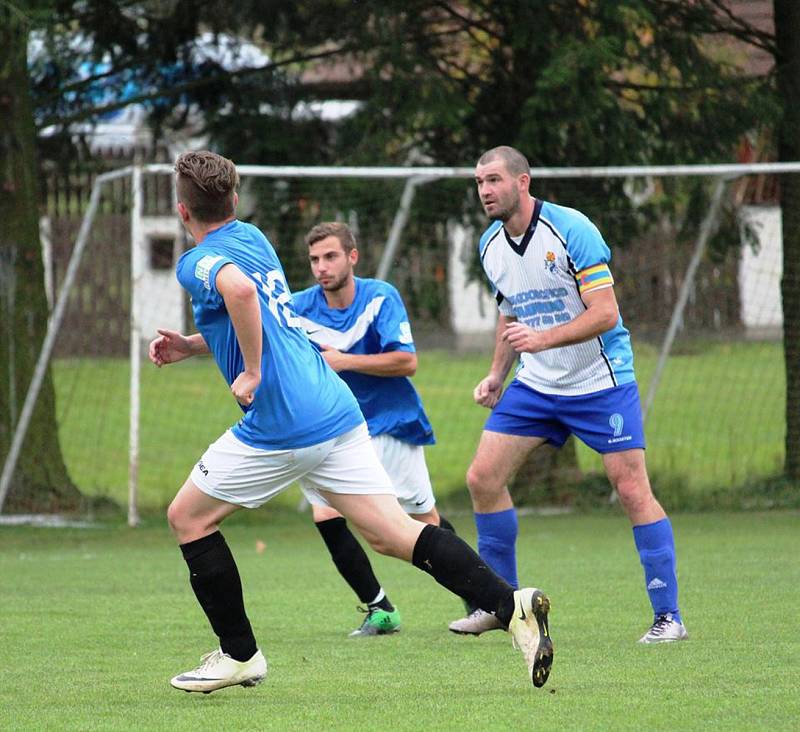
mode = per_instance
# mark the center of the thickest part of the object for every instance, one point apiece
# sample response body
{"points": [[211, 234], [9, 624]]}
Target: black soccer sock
{"points": [[454, 565], [445, 524], [218, 588], [351, 560]]}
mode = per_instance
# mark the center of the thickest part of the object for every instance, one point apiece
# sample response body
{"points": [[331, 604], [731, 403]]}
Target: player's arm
{"points": [[171, 346], [600, 316], [241, 301], [487, 392], [390, 363]]}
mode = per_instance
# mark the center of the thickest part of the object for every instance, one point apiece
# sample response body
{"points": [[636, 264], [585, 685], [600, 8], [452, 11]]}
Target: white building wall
{"points": [[162, 298], [760, 270], [473, 309]]}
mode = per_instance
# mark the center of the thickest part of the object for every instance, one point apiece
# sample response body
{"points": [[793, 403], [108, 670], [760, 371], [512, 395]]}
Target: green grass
{"points": [[718, 419], [94, 623]]}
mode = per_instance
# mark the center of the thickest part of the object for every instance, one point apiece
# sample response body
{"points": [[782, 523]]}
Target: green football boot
{"points": [[377, 622]]}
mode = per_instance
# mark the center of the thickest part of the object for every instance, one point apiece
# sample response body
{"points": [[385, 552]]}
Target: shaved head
{"points": [[515, 162]]}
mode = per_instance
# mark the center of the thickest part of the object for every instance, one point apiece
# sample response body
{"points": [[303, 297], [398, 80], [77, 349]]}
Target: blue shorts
{"points": [[607, 421]]}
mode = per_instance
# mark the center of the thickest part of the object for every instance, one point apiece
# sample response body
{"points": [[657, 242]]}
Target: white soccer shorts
{"points": [[246, 476], [407, 470]]}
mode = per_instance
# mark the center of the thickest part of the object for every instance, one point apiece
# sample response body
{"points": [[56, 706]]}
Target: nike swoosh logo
{"points": [[523, 616], [419, 503]]}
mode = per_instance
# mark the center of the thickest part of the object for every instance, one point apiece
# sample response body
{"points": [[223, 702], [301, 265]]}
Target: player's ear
{"points": [[235, 200], [183, 212], [353, 256]]}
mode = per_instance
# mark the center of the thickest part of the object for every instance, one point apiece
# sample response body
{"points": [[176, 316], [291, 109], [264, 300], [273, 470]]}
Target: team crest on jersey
{"points": [[550, 262]]}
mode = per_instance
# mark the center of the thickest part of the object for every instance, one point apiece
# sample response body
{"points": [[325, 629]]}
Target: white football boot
{"points": [[665, 629], [477, 622], [531, 633], [218, 670]]}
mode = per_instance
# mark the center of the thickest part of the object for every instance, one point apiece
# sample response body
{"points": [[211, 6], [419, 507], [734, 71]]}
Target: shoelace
{"points": [[368, 611], [661, 624], [209, 660]]}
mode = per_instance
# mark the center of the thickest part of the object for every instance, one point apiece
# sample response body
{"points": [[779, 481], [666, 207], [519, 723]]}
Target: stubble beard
{"points": [[506, 213], [335, 284]]}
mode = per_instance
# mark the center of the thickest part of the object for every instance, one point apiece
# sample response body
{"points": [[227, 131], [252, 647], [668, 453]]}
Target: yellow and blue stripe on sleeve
{"points": [[594, 278]]}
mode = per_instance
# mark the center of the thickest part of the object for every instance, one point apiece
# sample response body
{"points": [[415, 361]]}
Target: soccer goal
{"points": [[696, 255]]}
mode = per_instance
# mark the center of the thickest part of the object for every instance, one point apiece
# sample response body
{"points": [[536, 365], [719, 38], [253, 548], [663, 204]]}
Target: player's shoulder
{"points": [[566, 221], [369, 289], [198, 262], [489, 235], [304, 299]]}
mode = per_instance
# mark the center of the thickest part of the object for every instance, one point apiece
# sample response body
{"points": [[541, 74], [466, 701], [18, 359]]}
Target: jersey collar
{"points": [[526, 238]]}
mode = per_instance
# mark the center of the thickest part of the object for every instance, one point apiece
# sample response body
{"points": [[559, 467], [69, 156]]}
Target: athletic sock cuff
{"points": [[421, 553], [653, 536], [330, 526], [193, 549], [500, 524]]}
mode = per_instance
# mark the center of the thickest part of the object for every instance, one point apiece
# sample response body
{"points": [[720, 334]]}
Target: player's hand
{"points": [[335, 358], [169, 347], [244, 387], [524, 339], [487, 392]]}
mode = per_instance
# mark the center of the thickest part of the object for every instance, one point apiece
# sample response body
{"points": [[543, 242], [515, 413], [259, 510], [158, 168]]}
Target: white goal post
{"points": [[414, 177]]}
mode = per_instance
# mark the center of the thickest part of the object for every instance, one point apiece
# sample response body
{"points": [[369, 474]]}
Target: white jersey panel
{"points": [[534, 278]]}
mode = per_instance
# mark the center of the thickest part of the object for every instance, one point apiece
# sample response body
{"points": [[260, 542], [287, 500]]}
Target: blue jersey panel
{"points": [[300, 401], [375, 322], [584, 242]]}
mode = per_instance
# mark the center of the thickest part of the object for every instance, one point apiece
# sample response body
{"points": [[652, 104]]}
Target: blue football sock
{"points": [[656, 547], [497, 537]]}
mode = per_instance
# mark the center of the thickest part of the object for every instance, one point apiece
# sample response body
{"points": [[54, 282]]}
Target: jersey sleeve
{"points": [[590, 255], [198, 274], [394, 330]]}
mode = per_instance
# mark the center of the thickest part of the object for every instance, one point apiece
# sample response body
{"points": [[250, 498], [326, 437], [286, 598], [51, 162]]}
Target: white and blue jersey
{"points": [[538, 278], [300, 401], [375, 322]]}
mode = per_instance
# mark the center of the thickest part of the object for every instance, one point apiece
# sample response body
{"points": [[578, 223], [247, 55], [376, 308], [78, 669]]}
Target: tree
{"points": [[787, 57], [42, 479]]}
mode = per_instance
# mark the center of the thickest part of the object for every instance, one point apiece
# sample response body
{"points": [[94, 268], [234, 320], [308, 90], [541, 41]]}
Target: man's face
{"points": [[499, 191], [330, 265]]}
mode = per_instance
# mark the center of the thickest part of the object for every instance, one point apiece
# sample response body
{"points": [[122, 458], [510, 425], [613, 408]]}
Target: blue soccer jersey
{"points": [[300, 401], [375, 322], [539, 278]]}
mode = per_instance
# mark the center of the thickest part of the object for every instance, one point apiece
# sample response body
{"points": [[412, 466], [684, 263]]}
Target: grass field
{"points": [[718, 419], [95, 621]]}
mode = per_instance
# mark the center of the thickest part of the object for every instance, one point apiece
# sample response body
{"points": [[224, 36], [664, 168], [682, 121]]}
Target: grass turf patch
{"points": [[95, 622], [717, 422]]}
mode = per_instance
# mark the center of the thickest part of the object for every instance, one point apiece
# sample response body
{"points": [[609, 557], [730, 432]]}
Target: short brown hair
{"points": [[206, 185], [516, 163], [332, 228]]}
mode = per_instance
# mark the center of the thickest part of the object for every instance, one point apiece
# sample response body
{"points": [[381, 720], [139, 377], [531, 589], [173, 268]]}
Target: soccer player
{"points": [[362, 327], [548, 266], [300, 422]]}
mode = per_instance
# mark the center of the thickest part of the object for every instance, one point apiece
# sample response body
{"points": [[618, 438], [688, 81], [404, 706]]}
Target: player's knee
{"points": [[173, 517], [177, 521], [633, 493], [479, 481]]}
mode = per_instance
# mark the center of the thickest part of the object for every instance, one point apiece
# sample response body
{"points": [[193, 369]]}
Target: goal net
{"points": [[696, 256]]}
